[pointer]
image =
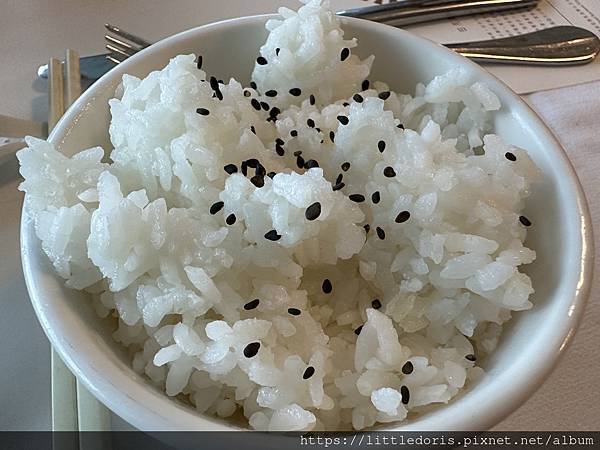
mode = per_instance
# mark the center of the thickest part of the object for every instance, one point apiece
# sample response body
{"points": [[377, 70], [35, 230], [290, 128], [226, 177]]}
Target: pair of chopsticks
{"points": [[73, 407]]}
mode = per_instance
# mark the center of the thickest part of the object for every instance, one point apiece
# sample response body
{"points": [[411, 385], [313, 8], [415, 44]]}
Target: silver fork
{"points": [[561, 45], [122, 44]]}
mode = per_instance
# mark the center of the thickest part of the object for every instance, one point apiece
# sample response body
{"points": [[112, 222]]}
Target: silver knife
{"points": [[408, 12]]}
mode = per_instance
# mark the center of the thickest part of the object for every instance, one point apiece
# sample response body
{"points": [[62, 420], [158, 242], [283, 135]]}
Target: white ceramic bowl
{"points": [[531, 343]]}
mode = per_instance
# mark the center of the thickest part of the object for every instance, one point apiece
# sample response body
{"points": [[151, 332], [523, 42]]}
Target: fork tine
{"points": [[125, 46], [114, 59], [117, 51], [121, 49], [130, 37]]}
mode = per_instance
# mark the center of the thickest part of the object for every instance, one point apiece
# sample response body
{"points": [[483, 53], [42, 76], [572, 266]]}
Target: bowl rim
{"points": [[138, 405]]}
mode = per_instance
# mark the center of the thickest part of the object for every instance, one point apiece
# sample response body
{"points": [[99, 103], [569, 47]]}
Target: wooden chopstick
{"points": [[73, 77], [73, 407], [64, 389], [55, 89]]}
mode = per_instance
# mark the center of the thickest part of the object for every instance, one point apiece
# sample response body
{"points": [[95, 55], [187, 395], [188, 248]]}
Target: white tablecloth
{"points": [[34, 30]]}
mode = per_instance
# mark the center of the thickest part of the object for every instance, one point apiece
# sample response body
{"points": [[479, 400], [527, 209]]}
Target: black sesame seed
{"points": [[310, 123], [271, 174], [294, 311], [216, 207], [401, 126], [257, 181], [405, 393], [274, 111], [343, 120], [296, 92], [345, 166], [525, 221], [297, 153], [510, 156], [272, 235], [327, 286], [339, 178], [219, 95], [312, 99], [244, 168], [300, 162], [358, 330], [389, 172], [253, 129], [357, 198], [384, 95], [214, 84], [376, 304], [358, 98], [345, 53], [407, 368], [365, 85], [252, 163], [221, 82], [313, 211], [402, 217], [199, 62], [346, 104], [279, 149], [251, 304], [260, 170], [230, 220], [380, 233], [230, 168], [203, 111], [271, 93], [261, 60], [279, 141], [470, 357], [255, 104], [375, 197], [339, 186], [247, 93], [277, 50], [309, 372], [318, 129], [251, 349], [264, 105], [381, 146], [311, 164], [294, 133], [332, 136], [367, 228], [253, 85]]}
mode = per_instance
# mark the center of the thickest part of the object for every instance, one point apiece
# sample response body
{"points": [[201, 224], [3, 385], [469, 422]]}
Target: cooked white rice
{"points": [[351, 326]]}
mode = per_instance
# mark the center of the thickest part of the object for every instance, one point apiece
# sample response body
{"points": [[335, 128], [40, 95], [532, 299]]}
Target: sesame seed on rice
{"points": [[327, 287], [251, 350], [216, 207], [345, 54], [251, 304], [272, 235]]}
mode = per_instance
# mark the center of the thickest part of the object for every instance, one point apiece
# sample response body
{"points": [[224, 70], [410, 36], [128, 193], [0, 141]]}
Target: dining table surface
{"points": [[32, 31]]}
